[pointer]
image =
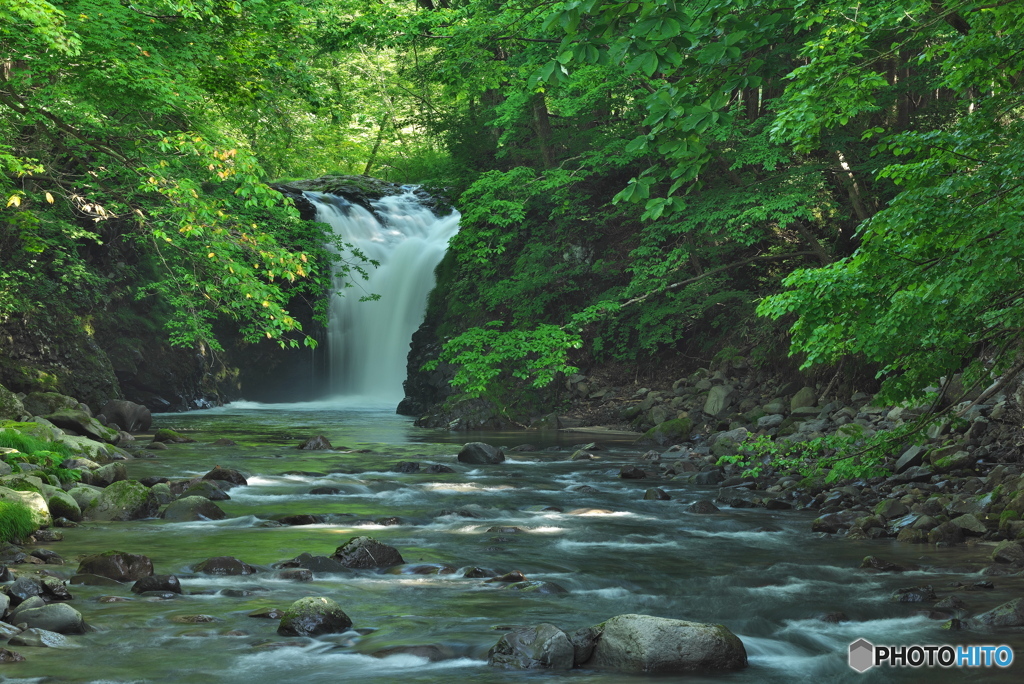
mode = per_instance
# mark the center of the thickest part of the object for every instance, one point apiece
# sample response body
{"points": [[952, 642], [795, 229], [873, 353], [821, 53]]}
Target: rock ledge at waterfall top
{"points": [[361, 190]]}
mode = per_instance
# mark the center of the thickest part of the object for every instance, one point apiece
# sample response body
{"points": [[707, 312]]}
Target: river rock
{"points": [[314, 563], [313, 615], [63, 505], [23, 589], [479, 453], [1009, 552], [533, 648], [109, 474], [233, 478], [130, 416], [56, 617], [166, 436], [83, 424], [406, 467], [11, 406], [805, 398], [367, 552], [1009, 614], [157, 583], [914, 594], [719, 399], [656, 494], [117, 565], [208, 489], [438, 469], [193, 508], [631, 472], [125, 500], [703, 506], [40, 638], [655, 645], [224, 565], [9, 656], [316, 443], [27, 604], [33, 500]]}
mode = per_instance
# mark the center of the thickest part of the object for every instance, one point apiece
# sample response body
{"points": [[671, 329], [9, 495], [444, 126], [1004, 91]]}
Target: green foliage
{"points": [[843, 455], [494, 363], [49, 456], [16, 521]]}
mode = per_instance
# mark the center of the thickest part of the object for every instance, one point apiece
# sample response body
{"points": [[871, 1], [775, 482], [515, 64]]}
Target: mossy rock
{"points": [[170, 436], [678, 429], [10, 405], [125, 500], [62, 505], [312, 616], [33, 500], [43, 403]]}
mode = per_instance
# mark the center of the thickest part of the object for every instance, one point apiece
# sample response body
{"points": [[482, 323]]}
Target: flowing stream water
{"points": [[761, 573]]}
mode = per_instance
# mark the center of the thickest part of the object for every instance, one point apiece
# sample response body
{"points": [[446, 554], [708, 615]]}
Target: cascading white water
{"points": [[368, 342]]}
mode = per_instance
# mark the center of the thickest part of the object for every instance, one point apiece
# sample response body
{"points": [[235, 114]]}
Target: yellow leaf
{"points": [[15, 200], [303, 257], [49, 198], [210, 255], [268, 335], [266, 303], [167, 239]]}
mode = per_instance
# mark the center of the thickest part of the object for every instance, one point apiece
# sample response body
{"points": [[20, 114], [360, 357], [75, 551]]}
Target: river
{"points": [[761, 573]]}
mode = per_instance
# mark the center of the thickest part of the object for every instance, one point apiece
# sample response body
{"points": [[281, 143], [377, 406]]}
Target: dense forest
{"points": [[637, 180]]}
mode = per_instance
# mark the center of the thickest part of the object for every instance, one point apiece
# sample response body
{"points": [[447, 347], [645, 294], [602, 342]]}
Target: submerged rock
{"points": [[224, 565], [643, 643], [193, 508], [531, 648], [313, 615], [40, 638], [316, 443]]}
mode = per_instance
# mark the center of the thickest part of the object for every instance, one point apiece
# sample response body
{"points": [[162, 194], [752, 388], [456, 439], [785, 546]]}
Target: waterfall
{"points": [[368, 342]]}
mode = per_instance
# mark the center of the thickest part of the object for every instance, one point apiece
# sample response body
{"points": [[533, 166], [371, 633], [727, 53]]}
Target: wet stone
{"points": [[8, 656], [296, 575], [324, 491], [703, 506], [267, 613], [160, 583], [224, 565], [914, 594]]}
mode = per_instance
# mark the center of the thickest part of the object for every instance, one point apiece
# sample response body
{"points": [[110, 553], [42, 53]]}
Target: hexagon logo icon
{"points": [[862, 655]]}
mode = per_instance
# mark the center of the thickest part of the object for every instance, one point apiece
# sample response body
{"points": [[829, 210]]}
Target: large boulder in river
{"points": [[367, 552], [56, 617], [478, 453], [313, 615], [128, 415], [125, 500], [1009, 614], [533, 648], [643, 643], [117, 565]]}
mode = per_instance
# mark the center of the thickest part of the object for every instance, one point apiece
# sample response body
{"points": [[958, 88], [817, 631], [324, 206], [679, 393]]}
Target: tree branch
{"points": [[714, 271]]}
